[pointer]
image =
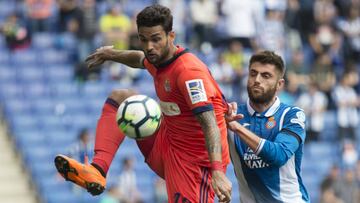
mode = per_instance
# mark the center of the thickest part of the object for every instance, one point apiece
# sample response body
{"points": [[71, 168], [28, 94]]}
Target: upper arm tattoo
{"points": [[211, 131]]}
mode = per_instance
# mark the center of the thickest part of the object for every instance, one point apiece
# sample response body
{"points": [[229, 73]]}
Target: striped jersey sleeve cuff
{"points": [[260, 146], [201, 109]]}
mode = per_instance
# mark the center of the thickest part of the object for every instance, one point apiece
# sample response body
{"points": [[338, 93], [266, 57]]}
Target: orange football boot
{"points": [[84, 175]]}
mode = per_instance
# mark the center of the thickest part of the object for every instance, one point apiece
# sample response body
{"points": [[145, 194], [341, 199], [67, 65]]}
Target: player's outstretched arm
{"points": [[221, 185], [275, 153], [131, 58]]}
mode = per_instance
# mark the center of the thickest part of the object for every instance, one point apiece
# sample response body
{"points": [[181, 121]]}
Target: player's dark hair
{"points": [[155, 15], [269, 57]]}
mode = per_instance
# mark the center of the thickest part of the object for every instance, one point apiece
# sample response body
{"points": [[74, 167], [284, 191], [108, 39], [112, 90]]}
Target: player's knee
{"points": [[120, 95]]}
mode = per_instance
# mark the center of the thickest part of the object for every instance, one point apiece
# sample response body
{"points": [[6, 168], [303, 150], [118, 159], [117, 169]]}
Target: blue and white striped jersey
{"points": [[272, 172]]}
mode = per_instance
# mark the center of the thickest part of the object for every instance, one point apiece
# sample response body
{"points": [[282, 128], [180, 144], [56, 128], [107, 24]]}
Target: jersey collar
{"points": [[180, 51], [269, 112]]}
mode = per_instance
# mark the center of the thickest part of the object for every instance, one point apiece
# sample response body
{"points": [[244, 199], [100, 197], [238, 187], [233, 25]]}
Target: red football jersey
{"points": [[185, 87]]}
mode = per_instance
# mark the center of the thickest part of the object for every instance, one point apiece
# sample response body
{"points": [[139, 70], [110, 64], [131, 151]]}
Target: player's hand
{"points": [[99, 56], [222, 186], [233, 125], [231, 114]]}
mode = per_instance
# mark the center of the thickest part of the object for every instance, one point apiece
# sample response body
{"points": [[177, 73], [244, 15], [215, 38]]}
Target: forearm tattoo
{"points": [[211, 131]]}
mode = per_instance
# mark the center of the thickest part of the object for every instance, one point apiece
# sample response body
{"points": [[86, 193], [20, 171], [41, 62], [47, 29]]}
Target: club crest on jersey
{"points": [[196, 90], [167, 86], [270, 123]]}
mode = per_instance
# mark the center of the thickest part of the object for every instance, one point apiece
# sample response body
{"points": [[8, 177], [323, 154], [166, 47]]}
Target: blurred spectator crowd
{"points": [[319, 40]]}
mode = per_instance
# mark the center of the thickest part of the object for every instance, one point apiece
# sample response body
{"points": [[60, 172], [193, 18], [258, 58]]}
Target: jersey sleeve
{"points": [[294, 124], [278, 152], [197, 88]]}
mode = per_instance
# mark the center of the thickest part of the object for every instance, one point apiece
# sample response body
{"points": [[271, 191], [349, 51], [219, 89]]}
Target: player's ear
{"points": [[172, 36], [281, 84]]}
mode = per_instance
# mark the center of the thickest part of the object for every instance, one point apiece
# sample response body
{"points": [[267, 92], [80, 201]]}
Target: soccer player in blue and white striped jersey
{"points": [[266, 145]]}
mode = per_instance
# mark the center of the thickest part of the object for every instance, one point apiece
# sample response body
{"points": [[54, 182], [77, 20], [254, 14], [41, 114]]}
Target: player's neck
{"points": [[261, 107], [171, 54]]}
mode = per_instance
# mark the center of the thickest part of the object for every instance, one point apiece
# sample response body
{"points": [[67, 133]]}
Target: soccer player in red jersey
{"points": [[190, 149]]}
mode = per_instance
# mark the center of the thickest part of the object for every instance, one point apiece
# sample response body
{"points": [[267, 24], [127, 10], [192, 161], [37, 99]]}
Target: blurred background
{"points": [[50, 102]]}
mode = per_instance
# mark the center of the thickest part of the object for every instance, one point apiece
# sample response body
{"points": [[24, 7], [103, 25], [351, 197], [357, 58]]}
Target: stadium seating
{"points": [[24, 57], [45, 109], [4, 56], [7, 74], [51, 57], [59, 73], [6, 8], [43, 41]]}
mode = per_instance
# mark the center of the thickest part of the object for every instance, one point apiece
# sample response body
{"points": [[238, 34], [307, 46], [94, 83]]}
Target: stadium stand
{"points": [[45, 107]]}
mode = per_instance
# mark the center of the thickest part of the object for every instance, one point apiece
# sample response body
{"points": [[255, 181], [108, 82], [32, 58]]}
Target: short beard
{"points": [[165, 51], [265, 98]]}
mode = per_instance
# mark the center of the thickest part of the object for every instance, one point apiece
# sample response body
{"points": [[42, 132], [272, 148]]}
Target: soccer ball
{"points": [[138, 116]]}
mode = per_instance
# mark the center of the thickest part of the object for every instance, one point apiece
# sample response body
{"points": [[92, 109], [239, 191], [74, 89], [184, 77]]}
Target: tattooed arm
{"points": [[211, 131], [221, 185]]}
